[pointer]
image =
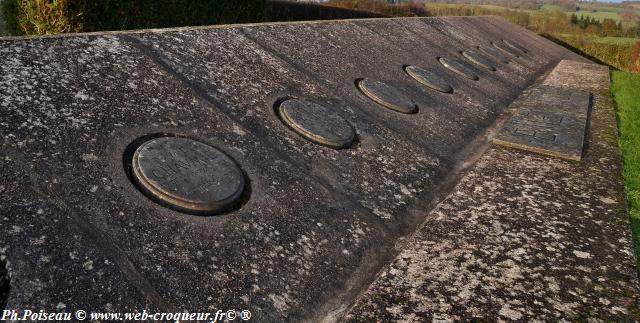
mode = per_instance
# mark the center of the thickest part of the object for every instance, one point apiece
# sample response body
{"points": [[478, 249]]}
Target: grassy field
{"points": [[550, 7], [453, 5], [627, 99], [599, 15], [598, 11], [623, 41]]}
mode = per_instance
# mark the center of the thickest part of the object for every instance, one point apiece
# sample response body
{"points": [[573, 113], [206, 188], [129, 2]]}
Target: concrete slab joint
{"points": [[277, 168]]}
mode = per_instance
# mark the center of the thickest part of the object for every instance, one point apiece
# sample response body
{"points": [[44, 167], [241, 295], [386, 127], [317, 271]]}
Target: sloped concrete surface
{"points": [[523, 237], [318, 223]]}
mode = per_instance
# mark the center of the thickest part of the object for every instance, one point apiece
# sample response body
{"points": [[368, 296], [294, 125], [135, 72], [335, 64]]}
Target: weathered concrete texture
{"points": [[318, 222], [522, 236]]}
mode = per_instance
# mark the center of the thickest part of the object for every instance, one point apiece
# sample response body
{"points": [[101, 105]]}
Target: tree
{"points": [[635, 57], [592, 29], [627, 15], [610, 28]]}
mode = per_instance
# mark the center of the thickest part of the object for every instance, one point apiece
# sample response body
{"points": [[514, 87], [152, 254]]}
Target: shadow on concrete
{"points": [[4, 284], [278, 10]]}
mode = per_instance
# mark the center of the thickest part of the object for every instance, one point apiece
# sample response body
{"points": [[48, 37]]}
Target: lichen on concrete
{"points": [[522, 237]]}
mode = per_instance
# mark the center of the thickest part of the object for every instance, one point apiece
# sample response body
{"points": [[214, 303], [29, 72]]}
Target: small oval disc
{"points": [[493, 53], [428, 78], [515, 46], [387, 96], [187, 175], [459, 67], [506, 49], [479, 60], [317, 123]]}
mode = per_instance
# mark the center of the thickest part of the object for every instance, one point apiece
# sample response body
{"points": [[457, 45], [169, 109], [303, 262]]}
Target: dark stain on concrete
{"points": [[5, 286]]}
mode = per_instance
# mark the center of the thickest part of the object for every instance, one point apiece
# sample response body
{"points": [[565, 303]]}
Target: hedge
{"points": [[34, 17]]}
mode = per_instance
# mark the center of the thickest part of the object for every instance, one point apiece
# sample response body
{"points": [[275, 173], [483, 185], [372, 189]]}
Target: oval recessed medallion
{"points": [[316, 123], [494, 54], [429, 79], [515, 46], [459, 67], [187, 175], [476, 58], [506, 49], [387, 96]]}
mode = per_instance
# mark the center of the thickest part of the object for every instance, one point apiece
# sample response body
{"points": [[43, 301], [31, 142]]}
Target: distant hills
{"points": [[568, 5]]}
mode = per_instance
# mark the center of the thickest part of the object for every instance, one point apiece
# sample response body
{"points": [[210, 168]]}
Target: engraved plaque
{"points": [[506, 49], [551, 121], [494, 54], [387, 96], [459, 67], [316, 123], [553, 95], [476, 58], [515, 46], [429, 79], [187, 175]]}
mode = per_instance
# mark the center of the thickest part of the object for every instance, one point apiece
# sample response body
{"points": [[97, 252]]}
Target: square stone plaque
{"points": [[551, 121]]}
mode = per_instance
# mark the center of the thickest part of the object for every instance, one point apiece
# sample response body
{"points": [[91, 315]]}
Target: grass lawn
{"points": [[598, 7], [623, 41], [600, 15], [627, 99]]}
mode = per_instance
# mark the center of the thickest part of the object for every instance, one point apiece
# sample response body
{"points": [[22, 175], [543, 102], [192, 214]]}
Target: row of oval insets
{"points": [[187, 175], [321, 125], [194, 177]]}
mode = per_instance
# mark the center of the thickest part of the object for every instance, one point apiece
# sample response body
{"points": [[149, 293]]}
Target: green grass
{"points": [[627, 99], [598, 7], [622, 41], [600, 15], [456, 5], [602, 12], [550, 7], [625, 41]]}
